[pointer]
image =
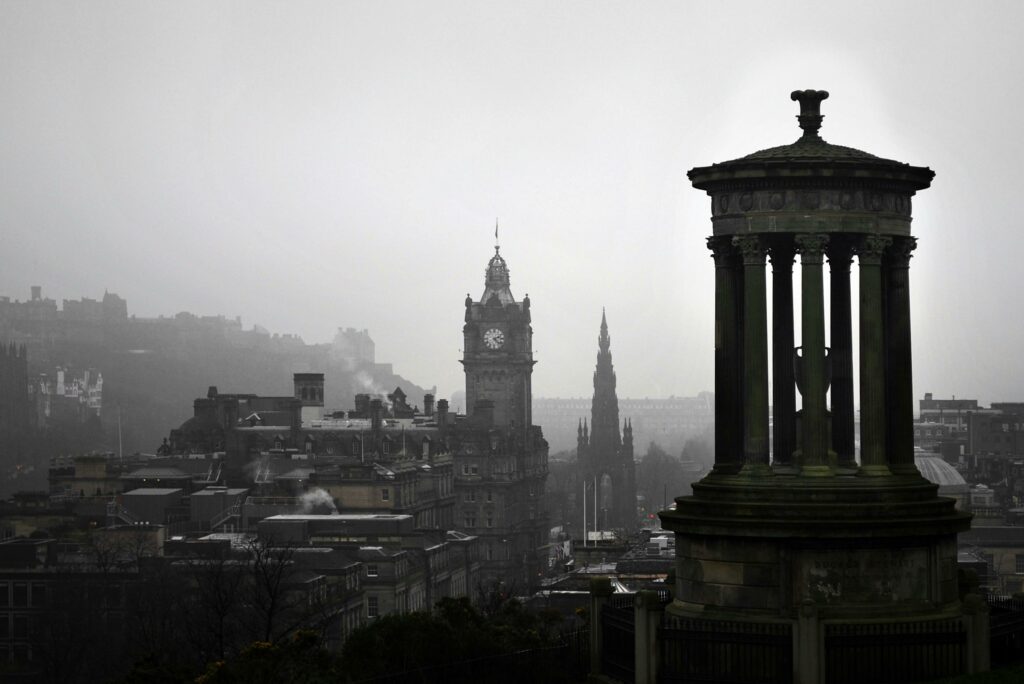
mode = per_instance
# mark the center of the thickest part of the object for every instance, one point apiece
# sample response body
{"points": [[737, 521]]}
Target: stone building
{"points": [[500, 455], [482, 474], [604, 456], [16, 415], [402, 569]]}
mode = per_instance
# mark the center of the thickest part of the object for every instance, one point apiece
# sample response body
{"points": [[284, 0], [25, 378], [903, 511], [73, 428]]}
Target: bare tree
{"points": [[217, 601]]}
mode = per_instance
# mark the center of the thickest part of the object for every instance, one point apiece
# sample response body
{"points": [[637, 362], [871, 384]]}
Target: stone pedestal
{"points": [[826, 558]]}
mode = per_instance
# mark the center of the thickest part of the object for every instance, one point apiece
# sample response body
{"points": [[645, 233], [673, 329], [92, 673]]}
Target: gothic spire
{"points": [[603, 340], [605, 407]]}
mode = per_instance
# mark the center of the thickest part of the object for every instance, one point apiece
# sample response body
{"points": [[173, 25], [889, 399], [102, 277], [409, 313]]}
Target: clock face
{"points": [[494, 338]]}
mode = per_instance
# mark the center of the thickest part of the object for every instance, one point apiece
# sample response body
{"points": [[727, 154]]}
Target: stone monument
{"points": [[797, 560]]}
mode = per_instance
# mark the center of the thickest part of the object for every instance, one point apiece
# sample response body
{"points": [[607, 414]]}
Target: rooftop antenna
{"points": [[497, 244]]}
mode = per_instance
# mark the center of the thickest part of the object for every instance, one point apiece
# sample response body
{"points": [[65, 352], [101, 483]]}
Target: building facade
{"points": [[500, 456]]}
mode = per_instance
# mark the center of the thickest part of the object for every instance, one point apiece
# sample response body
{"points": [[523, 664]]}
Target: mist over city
{"points": [[460, 341]]}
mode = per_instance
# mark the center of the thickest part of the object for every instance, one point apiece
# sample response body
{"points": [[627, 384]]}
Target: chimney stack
{"points": [[376, 414], [428, 404], [442, 413]]}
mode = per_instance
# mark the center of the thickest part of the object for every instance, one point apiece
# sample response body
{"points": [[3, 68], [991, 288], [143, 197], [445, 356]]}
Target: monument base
{"points": [[818, 580]]}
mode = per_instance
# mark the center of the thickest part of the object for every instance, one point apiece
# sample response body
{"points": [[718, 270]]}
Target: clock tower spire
{"points": [[498, 351]]}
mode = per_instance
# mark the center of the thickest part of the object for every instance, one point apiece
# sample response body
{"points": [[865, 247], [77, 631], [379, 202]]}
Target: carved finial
{"points": [[810, 110]]}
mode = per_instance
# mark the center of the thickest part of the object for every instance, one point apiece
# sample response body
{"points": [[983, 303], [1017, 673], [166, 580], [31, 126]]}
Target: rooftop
{"points": [[153, 491], [354, 517], [937, 471]]}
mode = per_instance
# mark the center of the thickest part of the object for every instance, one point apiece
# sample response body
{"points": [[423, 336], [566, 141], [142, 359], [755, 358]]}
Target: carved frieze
{"points": [[836, 199]]}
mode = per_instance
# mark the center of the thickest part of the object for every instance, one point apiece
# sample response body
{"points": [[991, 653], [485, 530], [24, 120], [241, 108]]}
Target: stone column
{"points": [[872, 356], [814, 424], [783, 383], [900, 381], [755, 355], [647, 615], [976, 622], [839, 258], [728, 417], [600, 591], [808, 645]]}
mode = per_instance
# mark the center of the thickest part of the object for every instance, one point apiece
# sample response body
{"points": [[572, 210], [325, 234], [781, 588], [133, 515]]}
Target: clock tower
{"points": [[498, 352]]}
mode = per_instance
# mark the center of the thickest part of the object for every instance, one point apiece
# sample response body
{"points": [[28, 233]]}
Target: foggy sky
{"points": [[314, 165]]}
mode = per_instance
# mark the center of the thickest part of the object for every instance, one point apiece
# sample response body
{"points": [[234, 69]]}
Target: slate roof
{"points": [[156, 474], [813, 149]]}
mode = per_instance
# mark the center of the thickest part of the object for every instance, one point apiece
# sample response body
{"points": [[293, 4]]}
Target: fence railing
{"points": [[1006, 629], [694, 650], [618, 647], [894, 652]]}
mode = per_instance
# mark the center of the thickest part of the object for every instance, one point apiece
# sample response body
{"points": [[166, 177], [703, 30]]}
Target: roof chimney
{"points": [[376, 414]]}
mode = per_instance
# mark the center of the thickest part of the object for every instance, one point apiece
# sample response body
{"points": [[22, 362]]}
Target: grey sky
{"points": [[315, 165]]}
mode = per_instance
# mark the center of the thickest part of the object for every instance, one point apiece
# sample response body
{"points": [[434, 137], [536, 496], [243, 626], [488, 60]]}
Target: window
{"points": [[356, 444], [469, 497], [1020, 564], [20, 626], [5, 626], [371, 570], [473, 469], [469, 520], [20, 595], [385, 495], [490, 521], [465, 469], [490, 497], [38, 594], [5, 597], [385, 447], [372, 610]]}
